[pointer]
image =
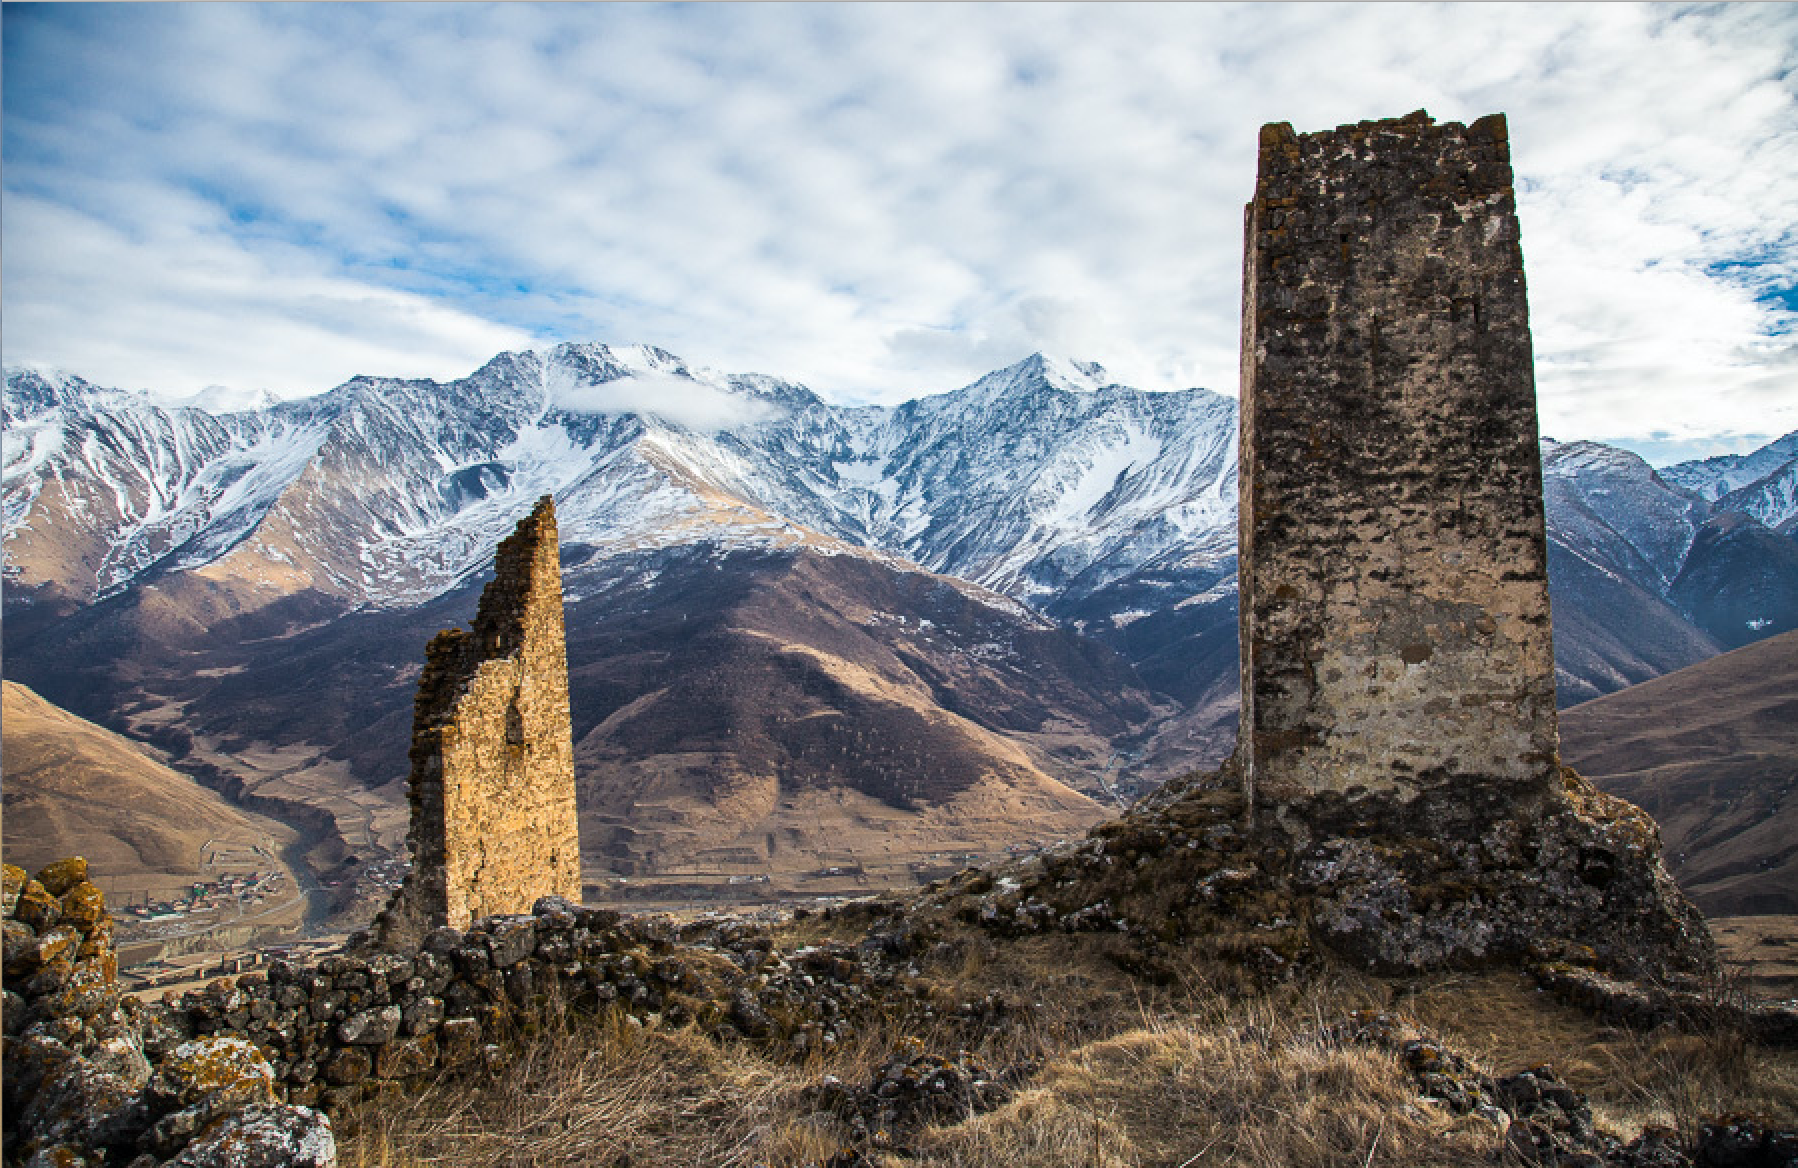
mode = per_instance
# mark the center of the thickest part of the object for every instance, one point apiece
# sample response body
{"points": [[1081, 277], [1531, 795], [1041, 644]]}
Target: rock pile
{"points": [[912, 1090], [1187, 868], [84, 1087]]}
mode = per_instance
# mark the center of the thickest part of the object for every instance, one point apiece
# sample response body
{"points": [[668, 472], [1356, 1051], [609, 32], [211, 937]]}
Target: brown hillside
{"points": [[830, 713], [748, 713], [1711, 751], [74, 788]]}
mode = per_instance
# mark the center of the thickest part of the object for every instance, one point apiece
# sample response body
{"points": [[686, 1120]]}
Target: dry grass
{"points": [[1174, 1094], [1130, 1077], [601, 1094], [1633, 1079]]}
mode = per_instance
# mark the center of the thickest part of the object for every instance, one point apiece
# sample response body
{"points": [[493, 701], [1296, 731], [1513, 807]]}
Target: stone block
{"points": [[459, 1041], [222, 1069], [264, 1136], [370, 1027], [83, 905], [37, 907], [61, 875], [511, 940], [349, 1065], [423, 1015]]}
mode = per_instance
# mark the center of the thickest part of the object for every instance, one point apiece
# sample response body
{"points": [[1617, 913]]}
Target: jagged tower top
{"points": [[525, 567]]}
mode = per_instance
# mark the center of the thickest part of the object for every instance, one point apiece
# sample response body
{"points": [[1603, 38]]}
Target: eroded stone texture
{"points": [[1394, 614], [492, 782]]}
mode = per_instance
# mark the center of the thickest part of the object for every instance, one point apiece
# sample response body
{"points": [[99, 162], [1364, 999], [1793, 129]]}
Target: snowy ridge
{"points": [[388, 491], [1045, 482], [1614, 511], [1772, 499], [152, 483], [1712, 478]]}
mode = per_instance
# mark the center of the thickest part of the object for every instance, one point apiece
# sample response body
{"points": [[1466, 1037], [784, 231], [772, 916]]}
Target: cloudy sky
{"points": [[877, 200]]}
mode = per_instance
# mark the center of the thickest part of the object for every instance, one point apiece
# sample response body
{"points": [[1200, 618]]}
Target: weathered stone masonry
{"points": [[492, 782], [1396, 799], [1394, 616]]}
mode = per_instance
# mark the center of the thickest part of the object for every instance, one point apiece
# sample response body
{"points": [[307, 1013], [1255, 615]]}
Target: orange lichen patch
{"points": [[222, 1066]]}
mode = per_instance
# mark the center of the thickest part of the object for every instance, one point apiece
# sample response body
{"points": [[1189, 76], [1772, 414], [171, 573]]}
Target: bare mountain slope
{"points": [[830, 712], [1711, 751], [720, 697], [75, 789]]}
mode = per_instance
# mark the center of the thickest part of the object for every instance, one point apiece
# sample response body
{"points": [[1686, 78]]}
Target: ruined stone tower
{"points": [[1395, 800], [492, 782], [1394, 613]]}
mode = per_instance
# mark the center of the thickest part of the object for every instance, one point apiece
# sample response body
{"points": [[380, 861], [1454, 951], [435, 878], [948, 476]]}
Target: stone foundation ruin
{"points": [[492, 783]]}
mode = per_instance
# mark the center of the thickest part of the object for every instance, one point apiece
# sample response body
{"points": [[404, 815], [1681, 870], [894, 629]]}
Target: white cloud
{"points": [[187, 311], [877, 200], [681, 400]]}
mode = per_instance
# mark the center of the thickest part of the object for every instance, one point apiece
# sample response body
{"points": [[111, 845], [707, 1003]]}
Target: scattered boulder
{"points": [[263, 1136]]}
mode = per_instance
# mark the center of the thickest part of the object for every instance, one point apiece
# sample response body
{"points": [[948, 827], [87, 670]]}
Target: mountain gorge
{"points": [[796, 629]]}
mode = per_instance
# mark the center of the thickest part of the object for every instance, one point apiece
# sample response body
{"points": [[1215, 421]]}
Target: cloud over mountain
{"points": [[872, 200]]}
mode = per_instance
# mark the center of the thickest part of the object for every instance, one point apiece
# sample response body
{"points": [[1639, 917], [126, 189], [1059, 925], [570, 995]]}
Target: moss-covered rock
{"points": [[83, 905], [222, 1068], [59, 876], [263, 1136], [12, 882], [37, 907]]}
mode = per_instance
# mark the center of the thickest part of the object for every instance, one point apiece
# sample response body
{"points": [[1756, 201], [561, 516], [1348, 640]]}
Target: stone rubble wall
{"points": [[1393, 564], [258, 1061], [84, 1083], [364, 1025], [494, 826]]}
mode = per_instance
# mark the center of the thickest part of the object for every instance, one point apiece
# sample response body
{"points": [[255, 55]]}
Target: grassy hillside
{"points": [[77, 789], [1711, 751]]}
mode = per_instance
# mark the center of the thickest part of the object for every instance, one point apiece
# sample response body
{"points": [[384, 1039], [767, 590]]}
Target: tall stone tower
{"points": [[1394, 612], [1395, 798], [492, 782]]}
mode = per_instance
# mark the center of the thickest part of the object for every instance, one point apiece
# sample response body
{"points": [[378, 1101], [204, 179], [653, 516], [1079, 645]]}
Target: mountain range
{"points": [[786, 618]]}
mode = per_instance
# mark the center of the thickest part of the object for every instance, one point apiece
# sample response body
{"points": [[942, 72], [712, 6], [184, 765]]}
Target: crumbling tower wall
{"points": [[492, 780], [1395, 800], [1394, 589]]}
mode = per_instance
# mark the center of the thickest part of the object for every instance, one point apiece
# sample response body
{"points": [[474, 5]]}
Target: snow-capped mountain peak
{"points": [[387, 490], [225, 399], [1762, 483]]}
